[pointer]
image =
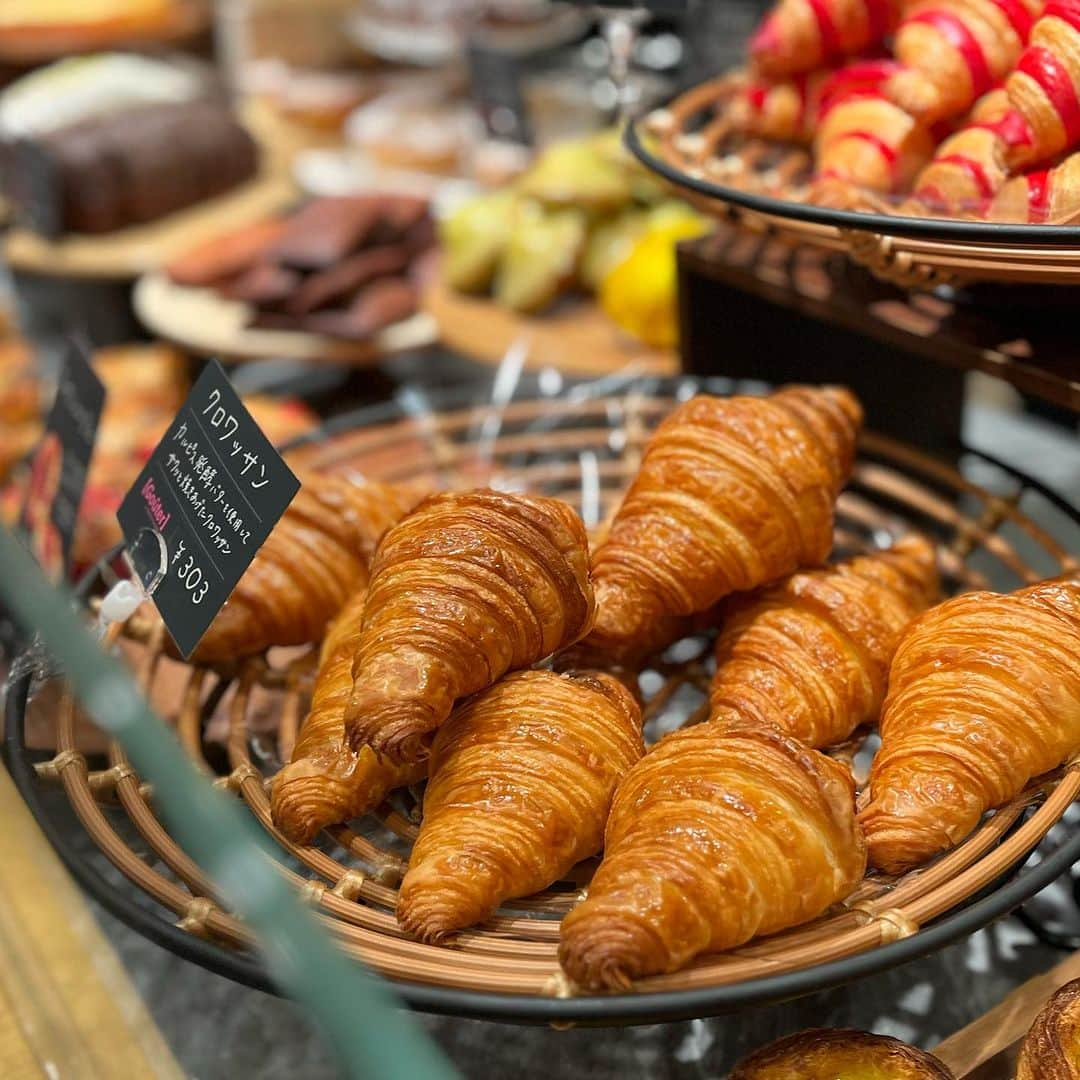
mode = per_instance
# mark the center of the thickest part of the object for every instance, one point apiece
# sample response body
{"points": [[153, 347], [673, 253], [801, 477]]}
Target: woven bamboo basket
{"points": [[693, 143], [584, 449]]}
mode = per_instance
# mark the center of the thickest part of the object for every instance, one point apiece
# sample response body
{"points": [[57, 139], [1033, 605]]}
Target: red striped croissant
{"points": [[954, 51], [1045, 195], [786, 110], [800, 35], [1043, 87], [970, 167], [868, 143]]}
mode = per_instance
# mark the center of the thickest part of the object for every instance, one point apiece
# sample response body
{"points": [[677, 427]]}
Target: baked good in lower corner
{"points": [[1051, 1050], [723, 831], [839, 1054], [984, 695], [522, 777]]}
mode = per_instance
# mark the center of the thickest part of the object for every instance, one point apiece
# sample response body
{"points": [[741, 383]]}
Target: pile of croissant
{"points": [[439, 616], [965, 108]]}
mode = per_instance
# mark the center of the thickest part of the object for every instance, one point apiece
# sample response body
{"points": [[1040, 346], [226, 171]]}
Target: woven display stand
{"points": [[585, 450], [695, 145]]}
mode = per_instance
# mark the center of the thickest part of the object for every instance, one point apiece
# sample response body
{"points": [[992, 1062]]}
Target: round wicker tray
{"points": [[583, 448], [691, 144]]}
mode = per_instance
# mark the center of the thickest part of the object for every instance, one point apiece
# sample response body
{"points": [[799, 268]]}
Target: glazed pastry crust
{"points": [[522, 776], [984, 695], [833, 1052], [316, 557], [723, 832], [732, 493], [325, 782], [469, 586], [811, 654], [1051, 1050]]}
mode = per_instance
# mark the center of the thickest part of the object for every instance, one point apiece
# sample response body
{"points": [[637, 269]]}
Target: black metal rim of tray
{"points": [[943, 230], [1014, 888]]}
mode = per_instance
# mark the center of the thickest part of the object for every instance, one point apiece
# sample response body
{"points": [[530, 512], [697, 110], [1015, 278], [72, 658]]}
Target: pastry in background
{"points": [[724, 831], [840, 1054], [811, 654], [325, 782], [1051, 1049], [732, 493], [803, 35], [984, 695], [20, 405], [522, 776], [316, 557], [469, 586]]}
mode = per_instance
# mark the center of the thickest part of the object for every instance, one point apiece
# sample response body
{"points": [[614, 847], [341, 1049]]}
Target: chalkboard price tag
{"points": [[60, 465], [210, 494]]}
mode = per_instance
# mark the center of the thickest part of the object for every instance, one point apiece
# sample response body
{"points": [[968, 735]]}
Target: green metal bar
{"points": [[372, 1034]]}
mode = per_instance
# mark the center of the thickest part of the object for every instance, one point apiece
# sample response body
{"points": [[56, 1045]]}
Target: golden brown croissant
{"points": [[800, 35], [724, 831], [469, 586], [984, 694], [1051, 1050], [316, 557], [522, 777], [732, 493], [811, 654], [325, 782]]}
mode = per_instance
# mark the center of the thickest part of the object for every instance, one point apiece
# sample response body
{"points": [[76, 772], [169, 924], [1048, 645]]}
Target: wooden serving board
{"points": [[575, 337], [127, 253], [987, 1049], [200, 321]]}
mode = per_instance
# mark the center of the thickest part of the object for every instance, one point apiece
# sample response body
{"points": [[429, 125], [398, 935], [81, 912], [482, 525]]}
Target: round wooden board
{"points": [[575, 337], [128, 253], [200, 321]]}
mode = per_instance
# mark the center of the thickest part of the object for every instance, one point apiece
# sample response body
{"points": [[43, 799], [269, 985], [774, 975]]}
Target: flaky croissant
{"points": [[325, 781], [954, 51], [1040, 196], [801, 35], [984, 694], [732, 493], [723, 831], [316, 557], [522, 777], [811, 654], [1051, 1049], [469, 586]]}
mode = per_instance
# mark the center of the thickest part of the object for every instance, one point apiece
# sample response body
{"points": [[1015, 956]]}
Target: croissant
{"points": [[1051, 1049], [867, 143], [984, 694], [724, 831], [325, 782], [1043, 195], [801, 35], [732, 492], [469, 586], [954, 51], [521, 780], [1043, 86], [970, 167], [786, 110], [315, 558], [811, 654]]}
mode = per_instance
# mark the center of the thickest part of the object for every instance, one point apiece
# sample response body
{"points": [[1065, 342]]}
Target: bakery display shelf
{"points": [[993, 527], [689, 143], [202, 322]]}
